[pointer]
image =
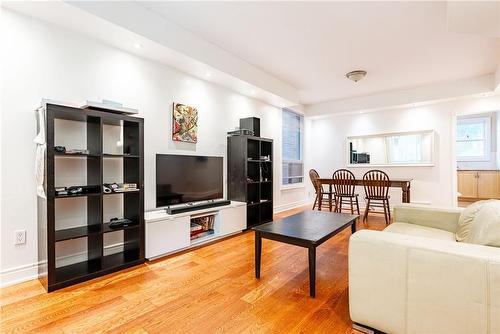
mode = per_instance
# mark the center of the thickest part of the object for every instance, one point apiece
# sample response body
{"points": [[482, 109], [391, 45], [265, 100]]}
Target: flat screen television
{"points": [[187, 178]]}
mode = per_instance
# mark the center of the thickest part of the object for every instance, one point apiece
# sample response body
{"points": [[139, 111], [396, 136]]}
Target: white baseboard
{"points": [[292, 205], [19, 274], [28, 272]]}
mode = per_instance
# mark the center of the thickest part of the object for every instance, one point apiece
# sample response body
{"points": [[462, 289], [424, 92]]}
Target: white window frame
{"points": [[487, 139], [300, 184]]}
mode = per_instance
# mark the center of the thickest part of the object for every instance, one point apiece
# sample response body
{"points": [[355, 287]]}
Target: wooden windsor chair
{"points": [[344, 190], [320, 201], [376, 184]]}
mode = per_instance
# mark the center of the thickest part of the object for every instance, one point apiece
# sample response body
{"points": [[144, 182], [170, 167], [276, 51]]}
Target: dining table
{"points": [[403, 183]]}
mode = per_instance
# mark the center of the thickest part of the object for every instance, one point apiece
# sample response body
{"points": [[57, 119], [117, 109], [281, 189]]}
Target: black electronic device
{"points": [[76, 190], [186, 178], [118, 223], [360, 158], [241, 132], [252, 124], [197, 206], [60, 149]]}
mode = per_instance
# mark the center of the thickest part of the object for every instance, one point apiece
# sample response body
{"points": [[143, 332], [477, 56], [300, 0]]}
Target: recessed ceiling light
{"points": [[138, 45], [208, 74]]}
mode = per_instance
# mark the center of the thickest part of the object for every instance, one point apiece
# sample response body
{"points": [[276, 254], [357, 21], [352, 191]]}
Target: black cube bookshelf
{"points": [[60, 231], [250, 176]]}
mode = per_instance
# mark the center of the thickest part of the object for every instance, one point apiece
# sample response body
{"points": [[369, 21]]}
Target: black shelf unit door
{"points": [[54, 275], [250, 177]]}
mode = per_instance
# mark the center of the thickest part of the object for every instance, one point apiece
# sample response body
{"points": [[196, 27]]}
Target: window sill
{"points": [[293, 186]]}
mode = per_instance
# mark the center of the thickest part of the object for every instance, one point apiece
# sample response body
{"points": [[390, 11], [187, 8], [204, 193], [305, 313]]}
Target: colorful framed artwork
{"points": [[184, 123]]}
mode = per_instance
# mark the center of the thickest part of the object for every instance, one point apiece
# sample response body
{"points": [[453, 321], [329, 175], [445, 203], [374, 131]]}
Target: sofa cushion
{"points": [[485, 230], [466, 220], [420, 231]]}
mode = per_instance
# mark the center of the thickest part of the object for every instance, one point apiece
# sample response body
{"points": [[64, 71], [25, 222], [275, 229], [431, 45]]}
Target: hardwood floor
{"points": [[208, 290]]}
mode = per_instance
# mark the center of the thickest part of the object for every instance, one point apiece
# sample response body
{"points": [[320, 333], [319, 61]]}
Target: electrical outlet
{"points": [[20, 237]]}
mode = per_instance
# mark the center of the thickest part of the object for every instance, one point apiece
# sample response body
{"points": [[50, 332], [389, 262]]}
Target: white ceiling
{"points": [[311, 45]]}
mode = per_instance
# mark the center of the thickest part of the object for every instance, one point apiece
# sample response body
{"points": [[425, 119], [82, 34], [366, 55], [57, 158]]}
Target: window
{"points": [[293, 167], [473, 139], [405, 149]]}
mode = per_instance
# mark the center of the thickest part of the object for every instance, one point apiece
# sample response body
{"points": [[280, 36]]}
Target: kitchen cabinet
{"points": [[479, 184]]}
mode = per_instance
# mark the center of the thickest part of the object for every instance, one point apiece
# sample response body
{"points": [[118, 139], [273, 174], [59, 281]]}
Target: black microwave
{"points": [[361, 158]]}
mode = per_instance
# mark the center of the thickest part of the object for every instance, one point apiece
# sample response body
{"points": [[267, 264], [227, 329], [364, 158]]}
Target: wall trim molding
{"points": [[291, 205], [19, 274], [28, 272]]}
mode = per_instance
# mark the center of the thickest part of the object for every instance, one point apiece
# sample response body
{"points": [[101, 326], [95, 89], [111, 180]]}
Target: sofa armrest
{"points": [[407, 284], [441, 218]]}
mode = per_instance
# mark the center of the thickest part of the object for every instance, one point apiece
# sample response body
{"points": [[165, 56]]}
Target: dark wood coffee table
{"points": [[307, 229]]}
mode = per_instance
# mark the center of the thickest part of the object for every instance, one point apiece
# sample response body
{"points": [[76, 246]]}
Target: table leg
{"points": [[312, 271], [320, 200], [258, 252], [353, 226], [406, 193], [330, 198]]}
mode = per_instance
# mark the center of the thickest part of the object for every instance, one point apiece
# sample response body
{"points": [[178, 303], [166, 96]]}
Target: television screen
{"points": [[187, 178]]}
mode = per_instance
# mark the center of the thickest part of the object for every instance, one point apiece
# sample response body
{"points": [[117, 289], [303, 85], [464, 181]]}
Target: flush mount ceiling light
{"points": [[356, 75]]}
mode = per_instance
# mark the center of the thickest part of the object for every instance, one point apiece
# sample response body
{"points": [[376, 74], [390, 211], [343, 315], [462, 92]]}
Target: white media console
{"points": [[167, 234]]}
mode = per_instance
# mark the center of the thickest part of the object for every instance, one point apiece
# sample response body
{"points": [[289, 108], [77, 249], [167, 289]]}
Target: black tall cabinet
{"points": [[58, 230], [250, 176]]}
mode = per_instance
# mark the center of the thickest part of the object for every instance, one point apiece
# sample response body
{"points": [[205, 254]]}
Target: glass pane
{"points": [[470, 149], [405, 149], [469, 130], [291, 136], [292, 180]]}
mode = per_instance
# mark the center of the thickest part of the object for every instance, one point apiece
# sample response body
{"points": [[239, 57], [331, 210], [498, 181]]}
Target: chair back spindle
{"points": [[344, 182], [376, 184]]}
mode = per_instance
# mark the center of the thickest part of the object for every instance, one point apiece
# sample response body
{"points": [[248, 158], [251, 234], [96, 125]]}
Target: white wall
{"points": [[44, 61], [433, 185]]}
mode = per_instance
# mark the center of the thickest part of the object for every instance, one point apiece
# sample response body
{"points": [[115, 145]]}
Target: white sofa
{"points": [[413, 277]]}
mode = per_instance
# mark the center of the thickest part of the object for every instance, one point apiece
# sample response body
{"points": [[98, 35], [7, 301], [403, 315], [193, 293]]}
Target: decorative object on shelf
{"points": [[118, 223], [60, 149], [108, 188], [184, 123], [41, 146], [77, 151], [202, 227], [356, 75], [110, 106]]}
